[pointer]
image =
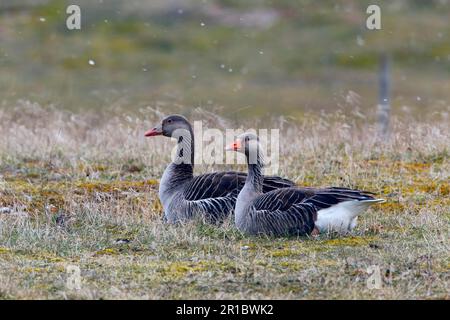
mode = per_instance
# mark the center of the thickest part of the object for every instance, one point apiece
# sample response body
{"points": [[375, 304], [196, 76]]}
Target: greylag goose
{"points": [[210, 196], [292, 211]]}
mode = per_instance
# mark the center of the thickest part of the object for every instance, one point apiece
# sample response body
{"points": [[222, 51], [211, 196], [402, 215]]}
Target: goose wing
{"points": [[213, 185], [283, 199], [325, 198], [271, 183], [298, 219], [282, 212], [293, 211], [221, 184], [218, 208]]}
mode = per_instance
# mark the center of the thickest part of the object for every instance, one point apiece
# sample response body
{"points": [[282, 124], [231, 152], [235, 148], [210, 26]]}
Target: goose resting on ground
{"points": [[210, 196], [292, 211]]}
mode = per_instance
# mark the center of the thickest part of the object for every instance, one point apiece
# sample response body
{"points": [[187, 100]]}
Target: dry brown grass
{"points": [[76, 183]]}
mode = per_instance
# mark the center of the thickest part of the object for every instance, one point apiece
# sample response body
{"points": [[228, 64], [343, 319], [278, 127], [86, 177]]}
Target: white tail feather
{"points": [[342, 216]]}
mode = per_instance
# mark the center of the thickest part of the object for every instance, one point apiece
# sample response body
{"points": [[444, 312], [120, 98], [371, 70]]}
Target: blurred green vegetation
{"points": [[234, 57]]}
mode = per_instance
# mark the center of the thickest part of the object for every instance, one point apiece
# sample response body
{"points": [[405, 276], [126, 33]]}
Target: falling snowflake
{"points": [[91, 62], [42, 19], [360, 41]]}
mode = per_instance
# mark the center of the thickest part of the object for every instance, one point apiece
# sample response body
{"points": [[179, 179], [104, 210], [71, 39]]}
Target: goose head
{"points": [[169, 125], [248, 144]]}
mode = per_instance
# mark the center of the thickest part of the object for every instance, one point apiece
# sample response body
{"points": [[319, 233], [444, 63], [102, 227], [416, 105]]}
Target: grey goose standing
{"points": [[292, 211], [209, 196]]}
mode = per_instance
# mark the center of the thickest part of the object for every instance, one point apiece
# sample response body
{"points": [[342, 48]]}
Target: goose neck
{"points": [[184, 157], [255, 174]]}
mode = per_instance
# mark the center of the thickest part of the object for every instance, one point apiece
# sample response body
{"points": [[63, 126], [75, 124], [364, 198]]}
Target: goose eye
{"points": [[169, 121]]}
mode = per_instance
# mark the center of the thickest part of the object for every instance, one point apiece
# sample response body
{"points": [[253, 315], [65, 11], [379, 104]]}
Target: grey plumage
{"points": [[211, 196], [290, 211]]}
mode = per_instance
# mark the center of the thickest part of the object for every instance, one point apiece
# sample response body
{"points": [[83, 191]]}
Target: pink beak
{"points": [[156, 131]]}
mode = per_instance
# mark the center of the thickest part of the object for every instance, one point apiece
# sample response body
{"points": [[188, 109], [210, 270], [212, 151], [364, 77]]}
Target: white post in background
{"points": [[384, 107]]}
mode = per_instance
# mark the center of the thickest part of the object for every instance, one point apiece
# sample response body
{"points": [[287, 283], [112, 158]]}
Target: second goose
{"points": [[292, 211]]}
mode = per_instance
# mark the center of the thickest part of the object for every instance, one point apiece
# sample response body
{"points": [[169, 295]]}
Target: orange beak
{"points": [[235, 146], [156, 131]]}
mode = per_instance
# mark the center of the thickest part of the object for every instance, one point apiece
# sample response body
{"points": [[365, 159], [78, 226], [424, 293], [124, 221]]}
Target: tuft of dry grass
{"points": [[81, 189]]}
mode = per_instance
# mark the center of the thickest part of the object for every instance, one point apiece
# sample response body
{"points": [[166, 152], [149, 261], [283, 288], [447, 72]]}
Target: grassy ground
{"points": [[81, 189]]}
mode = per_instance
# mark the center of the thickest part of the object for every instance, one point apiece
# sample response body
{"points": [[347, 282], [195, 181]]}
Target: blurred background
{"points": [[235, 58]]}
